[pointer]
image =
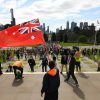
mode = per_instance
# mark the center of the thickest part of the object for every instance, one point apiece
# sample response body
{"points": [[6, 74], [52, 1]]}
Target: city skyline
{"points": [[54, 13]]}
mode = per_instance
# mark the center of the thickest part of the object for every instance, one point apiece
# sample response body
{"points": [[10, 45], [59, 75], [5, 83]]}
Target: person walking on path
{"points": [[0, 69], [98, 66], [71, 69], [51, 83], [32, 63]]}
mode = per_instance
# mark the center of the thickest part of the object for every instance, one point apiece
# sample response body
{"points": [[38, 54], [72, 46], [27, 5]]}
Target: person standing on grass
{"points": [[51, 83]]}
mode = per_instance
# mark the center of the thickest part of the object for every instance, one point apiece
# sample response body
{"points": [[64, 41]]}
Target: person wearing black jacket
{"points": [[44, 64], [51, 83], [0, 69], [71, 69], [32, 63]]}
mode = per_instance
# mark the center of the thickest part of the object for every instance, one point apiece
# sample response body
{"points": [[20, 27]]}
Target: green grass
{"points": [[87, 62], [93, 66], [75, 44]]}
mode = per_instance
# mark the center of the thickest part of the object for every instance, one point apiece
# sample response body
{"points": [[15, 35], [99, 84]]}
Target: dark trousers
{"points": [[73, 76], [0, 68], [32, 68], [51, 96], [17, 68], [44, 67], [98, 69], [78, 66]]}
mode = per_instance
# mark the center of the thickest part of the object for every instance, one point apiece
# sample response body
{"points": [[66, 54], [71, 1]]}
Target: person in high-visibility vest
{"points": [[78, 60]]}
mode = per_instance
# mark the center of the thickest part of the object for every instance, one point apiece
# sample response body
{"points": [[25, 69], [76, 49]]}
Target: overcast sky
{"points": [[54, 13]]}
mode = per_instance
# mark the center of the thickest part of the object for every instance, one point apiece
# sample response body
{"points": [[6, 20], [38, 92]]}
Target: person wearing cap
{"points": [[51, 83], [18, 66]]}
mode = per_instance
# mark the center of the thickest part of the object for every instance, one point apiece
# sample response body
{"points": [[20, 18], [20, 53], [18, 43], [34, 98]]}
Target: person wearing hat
{"points": [[18, 66], [51, 83]]}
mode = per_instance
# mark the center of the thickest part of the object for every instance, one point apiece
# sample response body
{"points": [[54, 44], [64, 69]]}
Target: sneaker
{"points": [[77, 84], [66, 80]]}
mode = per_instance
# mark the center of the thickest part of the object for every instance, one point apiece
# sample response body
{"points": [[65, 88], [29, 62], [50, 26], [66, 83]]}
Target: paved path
{"points": [[29, 88]]}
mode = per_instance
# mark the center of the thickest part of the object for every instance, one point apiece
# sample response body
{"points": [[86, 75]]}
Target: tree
{"points": [[45, 37], [83, 39], [53, 37], [98, 36], [7, 26], [77, 30], [65, 38]]}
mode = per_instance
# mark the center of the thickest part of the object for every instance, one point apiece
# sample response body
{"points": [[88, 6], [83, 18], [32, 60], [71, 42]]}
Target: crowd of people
{"points": [[48, 55]]}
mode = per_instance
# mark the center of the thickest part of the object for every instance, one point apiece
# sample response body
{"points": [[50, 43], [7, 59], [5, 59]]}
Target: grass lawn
{"points": [[75, 44]]}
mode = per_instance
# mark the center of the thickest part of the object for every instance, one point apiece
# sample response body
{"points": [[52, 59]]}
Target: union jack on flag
{"points": [[34, 21], [26, 30]]}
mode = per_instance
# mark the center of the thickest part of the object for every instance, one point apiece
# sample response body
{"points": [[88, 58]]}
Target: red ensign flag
{"points": [[25, 34]]}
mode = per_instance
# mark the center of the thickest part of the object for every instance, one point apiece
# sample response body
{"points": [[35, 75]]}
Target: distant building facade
{"points": [[67, 25], [13, 21], [73, 25]]}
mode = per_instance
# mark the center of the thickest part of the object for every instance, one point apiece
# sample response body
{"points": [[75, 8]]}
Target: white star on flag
{"points": [[6, 32], [14, 33], [32, 37]]}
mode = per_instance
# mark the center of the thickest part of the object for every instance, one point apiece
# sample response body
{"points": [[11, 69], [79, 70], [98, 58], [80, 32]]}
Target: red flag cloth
{"points": [[25, 34]]}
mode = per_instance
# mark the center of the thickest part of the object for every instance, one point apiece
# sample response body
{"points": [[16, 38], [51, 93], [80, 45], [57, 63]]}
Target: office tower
{"points": [[47, 29], [73, 25], [1, 27], [13, 22], [85, 26], [60, 27], [67, 25], [43, 27], [81, 25], [57, 30]]}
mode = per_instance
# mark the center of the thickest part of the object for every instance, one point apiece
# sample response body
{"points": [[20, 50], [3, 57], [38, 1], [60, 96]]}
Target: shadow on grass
{"points": [[17, 82], [83, 75]]}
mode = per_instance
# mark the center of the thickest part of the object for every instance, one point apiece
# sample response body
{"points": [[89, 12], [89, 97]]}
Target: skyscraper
{"points": [[47, 29], [12, 18], [67, 25], [85, 25], [73, 25], [43, 27], [60, 27], [81, 25]]}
